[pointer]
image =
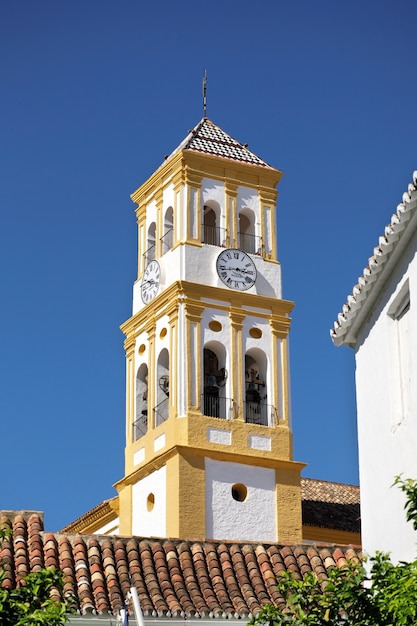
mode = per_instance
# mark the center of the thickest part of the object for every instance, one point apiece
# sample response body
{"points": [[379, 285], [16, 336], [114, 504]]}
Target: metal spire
{"points": [[205, 93]]}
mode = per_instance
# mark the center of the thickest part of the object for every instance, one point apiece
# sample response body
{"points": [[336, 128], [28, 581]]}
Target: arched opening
{"points": [[162, 390], [168, 236], [256, 397], [150, 253], [246, 234], [215, 403], [211, 230], [140, 425]]}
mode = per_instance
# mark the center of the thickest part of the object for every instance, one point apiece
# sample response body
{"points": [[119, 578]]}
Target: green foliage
{"points": [[347, 597], [409, 487], [339, 598], [31, 603]]}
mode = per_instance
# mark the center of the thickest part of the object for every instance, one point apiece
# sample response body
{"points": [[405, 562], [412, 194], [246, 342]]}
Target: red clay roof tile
{"points": [[172, 577]]}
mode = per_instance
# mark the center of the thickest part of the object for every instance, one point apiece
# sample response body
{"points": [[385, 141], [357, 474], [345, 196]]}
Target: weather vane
{"points": [[205, 93]]}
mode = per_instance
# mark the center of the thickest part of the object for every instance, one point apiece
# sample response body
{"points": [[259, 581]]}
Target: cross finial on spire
{"points": [[205, 93]]}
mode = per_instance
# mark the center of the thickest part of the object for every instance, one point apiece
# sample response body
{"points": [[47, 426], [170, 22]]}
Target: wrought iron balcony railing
{"points": [[150, 254], [260, 413], [167, 241], [251, 244], [214, 235], [213, 406], [140, 427], [161, 412]]}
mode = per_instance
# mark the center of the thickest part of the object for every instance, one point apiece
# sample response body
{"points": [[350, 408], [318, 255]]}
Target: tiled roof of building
{"points": [[178, 578], [396, 236], [208, 138], [326, 491], [330, 505]]}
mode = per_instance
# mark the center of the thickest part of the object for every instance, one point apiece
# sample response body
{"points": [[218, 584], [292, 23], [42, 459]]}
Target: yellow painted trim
{"points": [[288, 504], [193, 313], [236, 322], [330, 535], [192, 165], [95, 519], [185, 515]]}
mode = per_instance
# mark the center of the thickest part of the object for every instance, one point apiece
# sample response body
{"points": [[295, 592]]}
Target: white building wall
{"points": [[226, 518], [146, 520], [387, 426]]}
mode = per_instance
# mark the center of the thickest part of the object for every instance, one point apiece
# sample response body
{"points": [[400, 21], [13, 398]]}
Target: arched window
{"points": [[168, 236], [150, 253], [214, 402], [162, 391], [246, 234], [256, 399], [140, 426], [212, 233]]}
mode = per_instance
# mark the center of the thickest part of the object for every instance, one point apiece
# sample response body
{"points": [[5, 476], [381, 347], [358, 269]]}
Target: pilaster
{"points": [[237, 362]]}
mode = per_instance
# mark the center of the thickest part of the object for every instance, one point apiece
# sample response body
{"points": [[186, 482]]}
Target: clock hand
{"points": [[237, 269]]}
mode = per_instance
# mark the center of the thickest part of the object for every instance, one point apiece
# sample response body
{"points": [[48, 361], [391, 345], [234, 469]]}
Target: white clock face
{"points": [[236, 269], [150, 282]]}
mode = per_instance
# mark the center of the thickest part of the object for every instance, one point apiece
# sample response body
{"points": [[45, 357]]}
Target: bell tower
{"points": [[208, 431]]}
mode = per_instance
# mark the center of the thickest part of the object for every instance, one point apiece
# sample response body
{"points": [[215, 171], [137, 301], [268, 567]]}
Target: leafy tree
{"points": [[34, 602], [348, 597]]}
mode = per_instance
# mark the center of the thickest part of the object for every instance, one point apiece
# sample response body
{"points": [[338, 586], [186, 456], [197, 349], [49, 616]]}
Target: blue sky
{"points": [[94, 94]]}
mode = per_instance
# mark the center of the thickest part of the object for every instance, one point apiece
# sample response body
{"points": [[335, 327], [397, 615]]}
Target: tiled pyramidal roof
{"points": [[173, 577], [208, 138], [396, 234]]}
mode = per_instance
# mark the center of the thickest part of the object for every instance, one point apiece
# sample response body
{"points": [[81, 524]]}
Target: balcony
{"points": [[140, 427], [214, 235], [251, 244], [150, 254], [161, 412], [167, 241], [260, 413], [213, 406]]}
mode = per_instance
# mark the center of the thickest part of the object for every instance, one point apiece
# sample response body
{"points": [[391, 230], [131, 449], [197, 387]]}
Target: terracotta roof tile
{"points": [[330, 505], [173, 577], [365, 292], [208, 138]]}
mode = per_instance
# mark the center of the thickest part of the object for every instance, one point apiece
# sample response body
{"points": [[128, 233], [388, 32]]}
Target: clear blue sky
{"points": [[94, 94]]}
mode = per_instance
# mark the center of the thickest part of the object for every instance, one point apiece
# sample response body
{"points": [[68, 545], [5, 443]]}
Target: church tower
{"points": [[208, 431]]}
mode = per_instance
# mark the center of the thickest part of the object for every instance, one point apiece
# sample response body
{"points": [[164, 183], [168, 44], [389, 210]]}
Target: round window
{"points": [[215, 326], [239, 492], [150, 502]]}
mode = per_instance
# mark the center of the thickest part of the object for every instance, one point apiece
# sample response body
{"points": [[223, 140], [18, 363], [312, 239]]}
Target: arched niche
{"points": [[246, 231], [162, 387], [211, 223], [151, 243], [214, 380], [141, 421], [256, 394], [168, 236]]}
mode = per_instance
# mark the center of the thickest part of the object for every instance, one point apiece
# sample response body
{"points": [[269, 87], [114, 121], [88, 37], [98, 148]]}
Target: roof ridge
{"points": [[208, 138], [382, 253]]}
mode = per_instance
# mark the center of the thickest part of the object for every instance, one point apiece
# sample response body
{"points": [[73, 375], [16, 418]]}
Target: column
{"points": [[237, 362]]}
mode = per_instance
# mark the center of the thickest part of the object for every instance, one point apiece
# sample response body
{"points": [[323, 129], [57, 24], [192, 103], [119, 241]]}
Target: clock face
{"points": [[236, 269], [150, 282]]}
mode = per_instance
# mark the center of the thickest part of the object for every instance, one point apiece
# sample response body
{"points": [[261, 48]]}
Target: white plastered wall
{"points": [[150, 523], [228, 519], [387, 436]]}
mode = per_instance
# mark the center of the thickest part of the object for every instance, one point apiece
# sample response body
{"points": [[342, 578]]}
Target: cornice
{"points": [[193, 294]]}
